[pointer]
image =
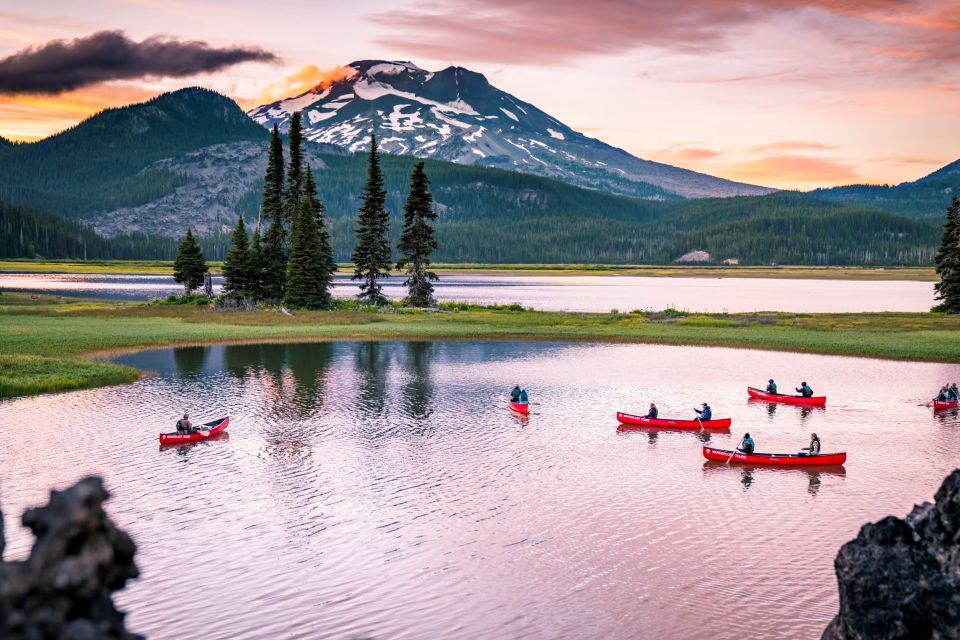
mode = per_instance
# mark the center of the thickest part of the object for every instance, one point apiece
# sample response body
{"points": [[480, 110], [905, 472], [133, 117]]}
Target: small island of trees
{"points": [[292, 264]]}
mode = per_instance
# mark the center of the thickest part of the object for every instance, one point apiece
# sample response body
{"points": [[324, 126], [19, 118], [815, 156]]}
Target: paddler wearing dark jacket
{"points": [[805, 390], [653, 411], [706, 413], [772, 387], [747, 446], [515, 394]]}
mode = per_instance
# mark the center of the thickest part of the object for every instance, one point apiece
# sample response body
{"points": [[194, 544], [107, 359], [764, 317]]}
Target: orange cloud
{"points": [[793, 170], [31, 117], [306, 79]]}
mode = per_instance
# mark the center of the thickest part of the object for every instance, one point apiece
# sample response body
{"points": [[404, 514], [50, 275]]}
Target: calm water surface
{"points": [[383, 490], [566, 293]]}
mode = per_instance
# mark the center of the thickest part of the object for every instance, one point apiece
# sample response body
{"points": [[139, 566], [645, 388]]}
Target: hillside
{"points": [[927, 197], [456, 115]]}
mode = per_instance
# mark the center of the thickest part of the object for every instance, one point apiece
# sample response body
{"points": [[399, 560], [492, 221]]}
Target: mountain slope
{"points": [[104, 162], [456, 115]]}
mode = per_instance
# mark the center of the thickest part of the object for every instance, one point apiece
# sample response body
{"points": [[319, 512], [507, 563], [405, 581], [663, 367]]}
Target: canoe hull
{"points": [[814, 401], [640, 421], [941, 406], [215, 427], [519, 407], [775, 459]]}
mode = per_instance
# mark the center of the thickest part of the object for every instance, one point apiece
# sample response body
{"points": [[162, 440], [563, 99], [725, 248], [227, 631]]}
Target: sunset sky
{"points": [[789, 94]]}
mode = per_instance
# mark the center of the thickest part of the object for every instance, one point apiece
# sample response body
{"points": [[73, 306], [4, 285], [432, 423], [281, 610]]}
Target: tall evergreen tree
{"points": [[273, 264], [308, 277], [237, 267], [947, 260], [326, 243], [371, 256], [273, 251], [273, 183], [190, 267], [417, 241], [256, 266], [293, 194]]}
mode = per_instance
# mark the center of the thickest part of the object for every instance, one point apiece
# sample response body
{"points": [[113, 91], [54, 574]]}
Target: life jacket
{"points": [[523, 397], [771, 388], [748, 445], [515, 394], [707, 413], [806, 391], [815, 446]]}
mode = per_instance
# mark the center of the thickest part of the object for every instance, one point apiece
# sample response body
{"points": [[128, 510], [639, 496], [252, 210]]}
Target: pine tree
{"points": [[237, 268], [371, 256], [294, 190], [256, 266], [417, 241], [308, 277], [948, 261], [273, 264], [273, 183], [326, 243], [273, 251], [190, 265]]}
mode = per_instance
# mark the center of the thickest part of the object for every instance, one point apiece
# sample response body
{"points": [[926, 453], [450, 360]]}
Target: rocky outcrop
{"points": [[64, 589], [901, 578]]}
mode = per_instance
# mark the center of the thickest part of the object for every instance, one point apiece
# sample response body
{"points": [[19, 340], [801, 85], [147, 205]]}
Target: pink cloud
{"points": [[555, 32], [793, 169], [794, 145]]}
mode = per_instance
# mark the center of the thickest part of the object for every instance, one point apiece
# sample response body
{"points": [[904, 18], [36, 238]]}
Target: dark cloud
{"points": [[63, 65]]}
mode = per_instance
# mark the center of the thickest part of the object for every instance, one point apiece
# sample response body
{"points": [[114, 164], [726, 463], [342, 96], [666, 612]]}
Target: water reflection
{"points": [[384, 489]]}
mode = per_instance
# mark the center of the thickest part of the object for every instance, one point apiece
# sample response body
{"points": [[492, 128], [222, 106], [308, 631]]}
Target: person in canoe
{"points": [[746, 446], [653, 411], [952, 392], [805, 390], [184, 426], [772, 387], [704, 414], [814, 448], [523, 398], [515, 394]]}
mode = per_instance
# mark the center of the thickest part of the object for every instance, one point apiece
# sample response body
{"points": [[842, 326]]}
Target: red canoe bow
{"points": [[520, 407], [640, 421], [775, 459], [940, 406], [215, 427], [813, 401]]}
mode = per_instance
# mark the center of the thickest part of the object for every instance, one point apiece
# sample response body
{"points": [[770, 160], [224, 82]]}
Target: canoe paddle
{"points": [[701, 424], [734, 453]]}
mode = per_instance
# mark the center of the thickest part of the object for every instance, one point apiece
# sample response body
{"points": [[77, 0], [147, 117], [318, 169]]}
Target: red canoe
{"points": [[814, 401], [940, 406], [215, 427], [520, 407], [775, 459], [640, 421]]}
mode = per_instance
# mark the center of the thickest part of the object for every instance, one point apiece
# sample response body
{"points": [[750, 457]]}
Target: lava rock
{"points": [[900, 578], [64, 589]]}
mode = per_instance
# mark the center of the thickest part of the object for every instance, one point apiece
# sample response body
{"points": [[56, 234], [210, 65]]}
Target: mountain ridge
{"points": [[455, 114]]}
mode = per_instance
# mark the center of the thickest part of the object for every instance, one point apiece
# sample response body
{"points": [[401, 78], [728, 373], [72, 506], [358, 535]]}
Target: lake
{"points": [[565, 293], [383, 490]]}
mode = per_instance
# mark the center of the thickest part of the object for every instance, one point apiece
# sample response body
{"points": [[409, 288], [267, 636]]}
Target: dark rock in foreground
{"points": [[64, 589], [901, 578]]}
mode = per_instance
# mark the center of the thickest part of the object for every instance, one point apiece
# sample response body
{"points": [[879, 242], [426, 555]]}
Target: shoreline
{"points": [[795, 272], [55, 344]]}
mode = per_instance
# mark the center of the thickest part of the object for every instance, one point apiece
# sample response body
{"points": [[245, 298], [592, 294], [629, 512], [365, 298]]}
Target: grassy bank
{"points": [[46, 341], [161, 267]]}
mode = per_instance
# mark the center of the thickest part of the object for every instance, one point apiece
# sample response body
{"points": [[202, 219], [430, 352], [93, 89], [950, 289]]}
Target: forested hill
{"points": [[926, 197], [192, 158]]}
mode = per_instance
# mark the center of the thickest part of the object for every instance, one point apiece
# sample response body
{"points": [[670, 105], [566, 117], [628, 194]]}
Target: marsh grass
{"points": [[63, 331]]}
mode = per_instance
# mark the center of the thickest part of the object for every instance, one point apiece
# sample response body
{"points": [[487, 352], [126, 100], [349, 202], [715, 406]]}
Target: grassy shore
{"points": [[161, 267], [47, 342]]}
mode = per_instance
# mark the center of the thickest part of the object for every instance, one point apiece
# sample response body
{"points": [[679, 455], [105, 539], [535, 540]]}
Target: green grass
{"points": [[47, 340], [161, 267]]}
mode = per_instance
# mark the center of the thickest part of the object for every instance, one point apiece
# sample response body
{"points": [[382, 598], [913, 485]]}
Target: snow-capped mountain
{"points": [[456, 115]]}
